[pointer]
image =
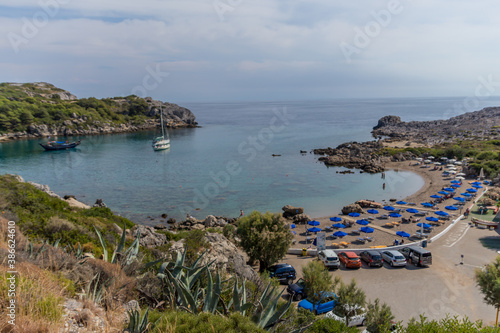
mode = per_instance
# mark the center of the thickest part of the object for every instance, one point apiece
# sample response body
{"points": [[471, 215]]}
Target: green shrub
{"points": [[183, 322]]}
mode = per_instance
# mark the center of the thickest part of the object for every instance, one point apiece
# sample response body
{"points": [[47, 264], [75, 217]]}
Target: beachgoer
{"points": [[241, 213], [402, 241], [383, 186]]}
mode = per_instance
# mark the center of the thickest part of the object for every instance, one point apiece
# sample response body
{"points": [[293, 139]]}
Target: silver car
{"points": [[394, 258]]}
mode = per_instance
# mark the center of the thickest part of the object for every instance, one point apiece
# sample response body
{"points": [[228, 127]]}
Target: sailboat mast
{"points": [[161, 118]]}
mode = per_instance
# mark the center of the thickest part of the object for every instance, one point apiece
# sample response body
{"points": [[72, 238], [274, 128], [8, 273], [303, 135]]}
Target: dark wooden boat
{"points": [[59, 145]]}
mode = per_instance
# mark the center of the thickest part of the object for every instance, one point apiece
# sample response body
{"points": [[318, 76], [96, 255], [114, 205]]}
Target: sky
{"points": [[259, 50]]}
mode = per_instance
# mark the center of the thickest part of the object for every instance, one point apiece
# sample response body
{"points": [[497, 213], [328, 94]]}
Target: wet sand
{"points": [[385, 235]]}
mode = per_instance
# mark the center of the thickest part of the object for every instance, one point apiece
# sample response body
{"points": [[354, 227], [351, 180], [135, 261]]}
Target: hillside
{"points": [[40, 109]]}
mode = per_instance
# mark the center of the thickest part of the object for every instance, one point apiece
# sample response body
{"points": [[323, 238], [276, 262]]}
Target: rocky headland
{"points": [[371, 156], [478, 125], [114, 115]]}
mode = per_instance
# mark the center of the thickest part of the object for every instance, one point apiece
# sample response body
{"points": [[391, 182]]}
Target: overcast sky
{"points": [[242, 50]]}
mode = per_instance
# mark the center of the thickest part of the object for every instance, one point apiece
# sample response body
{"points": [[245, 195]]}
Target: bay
{"points": [[227, 164]]}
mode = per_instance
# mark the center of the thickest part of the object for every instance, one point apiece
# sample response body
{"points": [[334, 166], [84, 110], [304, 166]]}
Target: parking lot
{"points": [[445, 287]]}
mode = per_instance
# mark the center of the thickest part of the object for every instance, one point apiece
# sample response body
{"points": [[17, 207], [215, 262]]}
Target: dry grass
{"points": [[39, 298]]}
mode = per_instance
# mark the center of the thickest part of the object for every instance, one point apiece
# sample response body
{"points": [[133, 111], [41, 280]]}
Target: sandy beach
{"points": [[385, 235]]}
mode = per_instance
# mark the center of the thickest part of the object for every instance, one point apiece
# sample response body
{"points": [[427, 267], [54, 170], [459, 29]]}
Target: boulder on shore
{"points": [[352, 208], [289, 211], [301, 218]]}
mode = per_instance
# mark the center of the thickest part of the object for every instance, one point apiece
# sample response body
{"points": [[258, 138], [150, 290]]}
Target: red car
{"points": [[349, 259]]}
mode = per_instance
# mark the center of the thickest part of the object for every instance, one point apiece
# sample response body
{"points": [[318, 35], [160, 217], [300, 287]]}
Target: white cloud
{"points": [[262, 48]]}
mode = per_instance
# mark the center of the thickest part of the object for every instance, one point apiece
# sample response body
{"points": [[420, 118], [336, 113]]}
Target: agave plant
{"points": [[137, 324], [130, 254], [95, 290]]}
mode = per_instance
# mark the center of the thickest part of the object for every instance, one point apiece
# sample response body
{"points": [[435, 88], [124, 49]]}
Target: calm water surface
{"points": [[227, 165]]}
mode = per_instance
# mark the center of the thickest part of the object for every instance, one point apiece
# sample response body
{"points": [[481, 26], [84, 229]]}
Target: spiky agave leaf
{"points": [[103, 245], [120, 246]]}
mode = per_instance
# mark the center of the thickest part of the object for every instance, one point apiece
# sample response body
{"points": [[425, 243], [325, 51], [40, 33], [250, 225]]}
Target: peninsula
{"points": [[30, 110]]}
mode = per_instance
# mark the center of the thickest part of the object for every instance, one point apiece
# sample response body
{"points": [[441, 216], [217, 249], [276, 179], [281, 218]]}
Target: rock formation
{"points": [[226, 255], [290, 211], [352, 208]]}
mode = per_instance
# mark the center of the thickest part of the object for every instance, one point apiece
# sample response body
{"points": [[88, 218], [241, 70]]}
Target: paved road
{"points": [[445, 287]]}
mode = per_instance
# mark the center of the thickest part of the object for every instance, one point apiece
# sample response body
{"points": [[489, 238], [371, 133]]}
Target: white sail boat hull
{"points": [[161, 143]]}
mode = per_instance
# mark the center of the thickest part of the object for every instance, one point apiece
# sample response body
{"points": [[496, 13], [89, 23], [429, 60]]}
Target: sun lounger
{"points": [[389, 224], [356, 232], [396, 223], [362, 240], [369, 238], [344, 244], [335, 245]]}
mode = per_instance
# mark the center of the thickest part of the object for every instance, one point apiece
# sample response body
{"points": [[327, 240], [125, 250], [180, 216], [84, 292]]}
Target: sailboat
{"points": [[162, 142]]}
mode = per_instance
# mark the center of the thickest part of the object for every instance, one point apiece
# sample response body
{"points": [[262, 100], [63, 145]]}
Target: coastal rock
{"points": [[301, 218], [226, 255], [171, 221], [388, 121], [221, 223], [46, 189], [210, 221], [352, 208], [148, 236], [99, 203], [290, 211]]}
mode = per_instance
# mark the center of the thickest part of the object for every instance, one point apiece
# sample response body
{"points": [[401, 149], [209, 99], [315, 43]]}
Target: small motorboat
{"points": [[59, 145]]}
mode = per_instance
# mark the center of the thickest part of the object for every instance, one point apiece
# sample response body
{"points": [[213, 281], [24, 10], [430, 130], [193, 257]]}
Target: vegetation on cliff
{"points": [[25, 105]]}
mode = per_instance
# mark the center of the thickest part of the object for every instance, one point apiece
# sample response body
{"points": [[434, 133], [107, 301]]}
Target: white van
{"points": [[329, 258]]}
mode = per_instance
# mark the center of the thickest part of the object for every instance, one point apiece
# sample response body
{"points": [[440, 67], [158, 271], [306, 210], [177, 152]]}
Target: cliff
{"points": [[40, 109], [477, 125]]}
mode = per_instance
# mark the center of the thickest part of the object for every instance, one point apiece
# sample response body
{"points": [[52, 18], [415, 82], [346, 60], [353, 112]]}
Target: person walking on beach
{"points": [[383, 186]]}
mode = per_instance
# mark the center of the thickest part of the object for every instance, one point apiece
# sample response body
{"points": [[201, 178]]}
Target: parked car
{"points": [[297, 290], [417, 255], [326, 303], [329, 258], [350, 259], [358, 319], [285, 273], [372, 258], [394, 258]]}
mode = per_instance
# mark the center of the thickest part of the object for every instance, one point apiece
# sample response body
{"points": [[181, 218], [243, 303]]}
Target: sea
{"points": [[244, 156]]}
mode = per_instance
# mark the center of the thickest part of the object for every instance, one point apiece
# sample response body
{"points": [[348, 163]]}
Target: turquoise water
{"points": [[227, 165]]}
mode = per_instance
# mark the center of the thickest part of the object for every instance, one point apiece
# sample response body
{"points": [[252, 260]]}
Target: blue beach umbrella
{"points": [[313, 223], [340, 233], [471, 190], [425, 225], [427, 204], [455, 186], [314, 229], [368, 230], [389, 208], [441, 213], [401, 202], [338, 225], [449, 189], [335, 219], [451, 207], [443, 192], [354, 214], [430, 218], [476, 183], [293, 232], [394, 215], [465, 194], [292, 226], [435, 196], [402, 234], [477, 186], [459, 199], [372, 211], [362, 222], [455, 181], [412, 210]]}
